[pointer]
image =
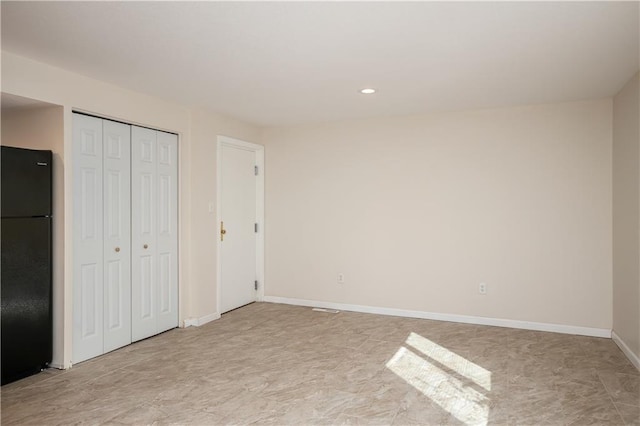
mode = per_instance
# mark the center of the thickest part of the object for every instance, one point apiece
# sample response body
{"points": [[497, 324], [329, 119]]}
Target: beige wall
{"points": [[24, 77], [417, 211], [42, 128], [626, 215]]}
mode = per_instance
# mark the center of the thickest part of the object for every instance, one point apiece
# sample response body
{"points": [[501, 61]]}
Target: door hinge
{"points": [[255, 284], [255, 170], [255, 227]]}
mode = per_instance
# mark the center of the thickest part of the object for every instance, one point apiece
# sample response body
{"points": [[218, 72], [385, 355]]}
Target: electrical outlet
{"points": [[482, 288], [341, 278]]}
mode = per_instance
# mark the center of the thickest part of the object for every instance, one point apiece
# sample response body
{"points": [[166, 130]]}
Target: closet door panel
{"points": [[144, 288], [167, 231], [88, 270], [117, 234]]}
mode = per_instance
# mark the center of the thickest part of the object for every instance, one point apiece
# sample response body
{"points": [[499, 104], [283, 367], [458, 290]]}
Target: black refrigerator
{"points": [[25, 249]]}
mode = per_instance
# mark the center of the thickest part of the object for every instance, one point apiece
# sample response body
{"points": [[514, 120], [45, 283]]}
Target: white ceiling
{"points": [[283, 63]]}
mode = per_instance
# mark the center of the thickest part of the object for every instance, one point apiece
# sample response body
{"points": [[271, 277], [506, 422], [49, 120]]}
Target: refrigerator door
{"points": [[25, 296], [26, 182]]}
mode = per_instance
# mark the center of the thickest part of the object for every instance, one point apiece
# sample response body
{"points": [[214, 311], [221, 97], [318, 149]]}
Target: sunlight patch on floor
{"points": [[460, 399], [451, 360]]}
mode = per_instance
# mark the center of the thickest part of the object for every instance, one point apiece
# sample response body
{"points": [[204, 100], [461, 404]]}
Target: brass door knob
{"points": [[222, 231], [146, 246], [117, 249]]}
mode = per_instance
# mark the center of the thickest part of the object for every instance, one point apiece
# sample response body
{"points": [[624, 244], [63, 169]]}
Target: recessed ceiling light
{"points": [[368, 91]]}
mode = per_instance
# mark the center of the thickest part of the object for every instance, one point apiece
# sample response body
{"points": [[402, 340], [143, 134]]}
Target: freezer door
{"points": [[25, 296], [26, 182]]}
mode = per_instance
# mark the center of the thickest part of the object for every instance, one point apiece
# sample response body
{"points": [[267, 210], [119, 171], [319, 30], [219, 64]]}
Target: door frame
{"points": [[259, 153]]}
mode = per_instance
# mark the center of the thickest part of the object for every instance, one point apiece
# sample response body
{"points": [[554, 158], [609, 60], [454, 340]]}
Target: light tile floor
{"points": [[277, 364]]}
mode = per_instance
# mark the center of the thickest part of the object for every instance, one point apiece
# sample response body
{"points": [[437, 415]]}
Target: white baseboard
{"points": [[497, 322], [197, 322], [635, 359], [58, 365], [208, 318], [188, 322]]}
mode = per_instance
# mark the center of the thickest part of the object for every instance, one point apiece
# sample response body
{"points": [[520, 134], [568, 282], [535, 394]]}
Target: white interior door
{"points": [[88, 290], [144, 290], [167, 236], [238, 217], [117, 234]]}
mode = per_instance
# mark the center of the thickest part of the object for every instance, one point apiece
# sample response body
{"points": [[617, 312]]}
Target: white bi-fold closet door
{"points": [[125, 234], [101, 236], [154, 232]]}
